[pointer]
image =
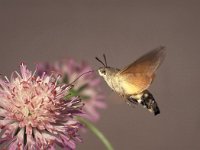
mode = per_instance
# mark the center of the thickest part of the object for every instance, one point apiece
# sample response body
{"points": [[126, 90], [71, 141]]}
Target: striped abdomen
{"points": [[147, 100]]}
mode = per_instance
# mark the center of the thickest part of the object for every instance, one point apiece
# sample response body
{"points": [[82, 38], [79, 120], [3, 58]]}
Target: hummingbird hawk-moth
{"points": [[133, 81]]}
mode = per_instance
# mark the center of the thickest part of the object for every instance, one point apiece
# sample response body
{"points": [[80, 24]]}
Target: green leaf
{"points": [[83, 87], [72, 93]]}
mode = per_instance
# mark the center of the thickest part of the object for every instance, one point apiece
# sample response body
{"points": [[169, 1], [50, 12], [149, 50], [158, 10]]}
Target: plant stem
{"points": [[96, 132]]}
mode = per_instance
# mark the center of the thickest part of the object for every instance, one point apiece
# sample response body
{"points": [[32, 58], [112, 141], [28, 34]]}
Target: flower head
{"points": [[34, 114], [87, 87]]}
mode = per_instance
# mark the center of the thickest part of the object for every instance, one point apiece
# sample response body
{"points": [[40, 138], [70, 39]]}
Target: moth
{"points": [[133, 81]]}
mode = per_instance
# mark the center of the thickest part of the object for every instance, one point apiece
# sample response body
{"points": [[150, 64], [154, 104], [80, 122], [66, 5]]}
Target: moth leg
{"points": [[131, 101], [128, 102]]}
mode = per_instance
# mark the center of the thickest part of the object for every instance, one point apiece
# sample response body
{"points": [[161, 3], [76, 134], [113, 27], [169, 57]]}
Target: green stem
{"points": [[96, 132]]}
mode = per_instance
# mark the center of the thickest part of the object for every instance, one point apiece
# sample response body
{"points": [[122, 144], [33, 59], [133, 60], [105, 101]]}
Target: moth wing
{"points": [[135, 83], [147, 64], [138, 76]]}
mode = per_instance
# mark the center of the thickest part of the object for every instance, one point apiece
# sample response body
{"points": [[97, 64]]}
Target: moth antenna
{"points": [[104, 56], [100, 61]]}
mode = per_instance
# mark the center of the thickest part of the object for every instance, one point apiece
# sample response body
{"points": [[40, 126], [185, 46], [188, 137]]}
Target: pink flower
{"points": [[34, 115], [87, 87]]}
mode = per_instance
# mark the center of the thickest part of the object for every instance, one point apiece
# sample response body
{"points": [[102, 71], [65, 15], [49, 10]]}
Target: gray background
{"points": [[32, 31]]}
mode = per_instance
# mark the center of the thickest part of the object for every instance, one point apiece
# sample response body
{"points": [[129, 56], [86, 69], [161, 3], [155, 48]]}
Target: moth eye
{"points": [[103, 72]]}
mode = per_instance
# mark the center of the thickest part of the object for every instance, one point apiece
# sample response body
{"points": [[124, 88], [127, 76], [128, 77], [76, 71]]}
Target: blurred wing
{"points": [[138, 76], [135, 83], [146, 64]]}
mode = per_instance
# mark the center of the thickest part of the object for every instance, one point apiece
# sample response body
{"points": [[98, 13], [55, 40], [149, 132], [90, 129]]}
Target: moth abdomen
{"points": [[147, 101]]}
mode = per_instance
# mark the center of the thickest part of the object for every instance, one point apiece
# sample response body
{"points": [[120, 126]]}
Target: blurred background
{"points": [[48, 30]]}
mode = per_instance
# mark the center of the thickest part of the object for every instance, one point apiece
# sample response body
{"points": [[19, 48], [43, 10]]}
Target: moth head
{"points": [[102, 70]]}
